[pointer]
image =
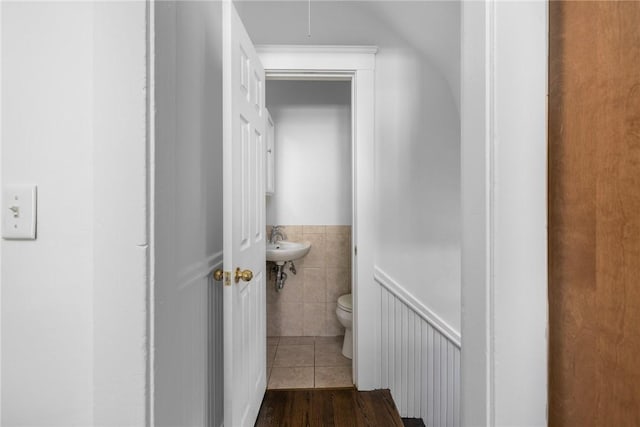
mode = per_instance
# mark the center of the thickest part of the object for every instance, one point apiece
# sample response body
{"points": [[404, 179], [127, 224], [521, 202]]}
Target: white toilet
{"points": [[344, 311]]}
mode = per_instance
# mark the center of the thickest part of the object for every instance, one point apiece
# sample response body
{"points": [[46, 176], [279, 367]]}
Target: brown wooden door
{"points": [[594, 214]]}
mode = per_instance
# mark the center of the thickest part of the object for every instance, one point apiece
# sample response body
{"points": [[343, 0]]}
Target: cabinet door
{"points": [[270, 155]]}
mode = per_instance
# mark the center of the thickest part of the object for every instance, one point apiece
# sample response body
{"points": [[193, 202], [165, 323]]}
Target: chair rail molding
{"points": [[419, 308]]}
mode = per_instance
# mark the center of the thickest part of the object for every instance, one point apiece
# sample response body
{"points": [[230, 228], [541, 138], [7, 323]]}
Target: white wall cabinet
{"points": [[270, 146]]}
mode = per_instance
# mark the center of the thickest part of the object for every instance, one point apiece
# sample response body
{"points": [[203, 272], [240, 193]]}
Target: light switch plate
{"points": [[19, 212]]}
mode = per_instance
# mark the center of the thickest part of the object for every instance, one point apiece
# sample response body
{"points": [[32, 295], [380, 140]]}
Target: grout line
{"points": [[322, 344]]}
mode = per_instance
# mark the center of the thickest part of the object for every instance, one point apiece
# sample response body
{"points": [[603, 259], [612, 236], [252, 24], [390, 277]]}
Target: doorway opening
{"points": [[354, 64], [309, 200]]}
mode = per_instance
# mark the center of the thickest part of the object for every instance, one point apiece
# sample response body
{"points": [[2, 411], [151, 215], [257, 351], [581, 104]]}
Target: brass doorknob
{"points": [[218, 275], [245, 275]]}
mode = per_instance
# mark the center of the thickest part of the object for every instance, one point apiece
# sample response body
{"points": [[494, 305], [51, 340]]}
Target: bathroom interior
{"points": [[309, 201]]}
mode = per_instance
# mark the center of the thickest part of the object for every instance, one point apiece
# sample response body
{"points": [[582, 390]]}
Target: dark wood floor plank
{"points": [[272, 410], [322, 410], [327, 408], [366, 409], [378, 408], [389, 408], [299, 410], [344, 409]]}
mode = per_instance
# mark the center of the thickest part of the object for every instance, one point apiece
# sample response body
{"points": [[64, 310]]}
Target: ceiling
{"points": [[431, 28]]}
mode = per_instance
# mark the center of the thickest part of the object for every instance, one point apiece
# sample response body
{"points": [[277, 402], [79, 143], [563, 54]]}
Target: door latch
{"points": [[219, 275]]}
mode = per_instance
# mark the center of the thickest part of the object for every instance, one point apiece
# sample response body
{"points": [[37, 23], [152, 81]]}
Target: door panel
{"points": [[244, 217], [594, 214]]}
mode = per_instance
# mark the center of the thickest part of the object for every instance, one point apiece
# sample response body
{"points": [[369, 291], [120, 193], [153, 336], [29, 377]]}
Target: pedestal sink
{"points": [[283, 251]]}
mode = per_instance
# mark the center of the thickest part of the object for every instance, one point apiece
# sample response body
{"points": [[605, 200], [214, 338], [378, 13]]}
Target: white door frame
{"points": [[356, 63], [504, 213]]}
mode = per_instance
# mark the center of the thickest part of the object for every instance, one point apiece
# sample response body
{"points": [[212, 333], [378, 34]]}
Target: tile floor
{"points": [[307, 362]]}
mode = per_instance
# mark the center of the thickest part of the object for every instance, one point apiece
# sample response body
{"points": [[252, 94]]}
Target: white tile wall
{"points": [[307, 303]]}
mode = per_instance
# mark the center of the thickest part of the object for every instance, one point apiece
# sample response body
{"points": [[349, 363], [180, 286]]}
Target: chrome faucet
{"points": [[276, 231]]}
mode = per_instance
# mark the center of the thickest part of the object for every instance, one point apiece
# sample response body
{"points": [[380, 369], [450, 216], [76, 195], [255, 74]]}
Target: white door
{"points": [[244, 298]]}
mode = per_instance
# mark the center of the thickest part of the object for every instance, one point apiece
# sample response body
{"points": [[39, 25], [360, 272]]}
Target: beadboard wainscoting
{"points": [[187, 341], [216, 368], [420, 361]]}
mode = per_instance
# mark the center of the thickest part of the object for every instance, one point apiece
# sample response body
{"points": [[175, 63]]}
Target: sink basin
{"points": [[284, 251]]}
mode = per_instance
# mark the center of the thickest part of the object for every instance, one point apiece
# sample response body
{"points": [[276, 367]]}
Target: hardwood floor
{"points": [[328, 407]]}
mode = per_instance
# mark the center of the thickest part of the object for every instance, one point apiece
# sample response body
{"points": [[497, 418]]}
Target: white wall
{"points": [[418, 184], [47, 295], [74, 310], [417, 128], [520, 287], [188, 208], [475, 363], [504, 362], [120, 221], [312, 152]]}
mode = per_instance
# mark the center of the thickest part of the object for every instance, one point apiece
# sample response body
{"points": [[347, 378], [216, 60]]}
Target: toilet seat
{"points": [[345, 302]]}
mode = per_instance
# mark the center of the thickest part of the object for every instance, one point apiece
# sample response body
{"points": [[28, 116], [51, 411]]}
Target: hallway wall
{"points": [[47, 294], [418, 181], [121, 215], [74, 313], [188, 221]]}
